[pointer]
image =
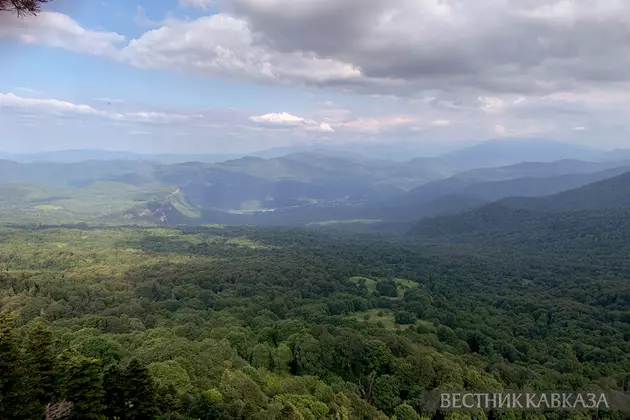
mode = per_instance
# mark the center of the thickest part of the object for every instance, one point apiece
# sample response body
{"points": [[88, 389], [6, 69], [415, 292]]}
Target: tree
{"points": [[9, 369], [387, 288], [406, 412], [83, 388], [386, 393], [22, 7], [130, 393], [140, 392], [290, 412], [41, 365], [404, 318], [171, 373], [207, 406], [114, 392]]}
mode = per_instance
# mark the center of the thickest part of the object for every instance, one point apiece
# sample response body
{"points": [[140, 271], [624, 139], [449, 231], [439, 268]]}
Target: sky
{"points": [[230, 76]]}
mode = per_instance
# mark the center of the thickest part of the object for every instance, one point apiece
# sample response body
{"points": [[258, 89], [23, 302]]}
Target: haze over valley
{"points": [[320, 187]]}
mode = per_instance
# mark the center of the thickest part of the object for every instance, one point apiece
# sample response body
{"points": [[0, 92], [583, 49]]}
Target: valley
{"points": [[309, 188]]}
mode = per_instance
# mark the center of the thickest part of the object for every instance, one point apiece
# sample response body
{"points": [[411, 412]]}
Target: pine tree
{"points": [[114, 387], [140, 392], [83, 388], [40, 366], [10, 379]]}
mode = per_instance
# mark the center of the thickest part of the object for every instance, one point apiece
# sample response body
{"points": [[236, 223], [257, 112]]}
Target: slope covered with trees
{"points": [[246, 323], [587, 221]]}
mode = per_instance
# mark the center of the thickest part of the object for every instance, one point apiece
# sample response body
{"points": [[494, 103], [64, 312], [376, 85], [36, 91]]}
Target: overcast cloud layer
{"points": [[489, 67]]}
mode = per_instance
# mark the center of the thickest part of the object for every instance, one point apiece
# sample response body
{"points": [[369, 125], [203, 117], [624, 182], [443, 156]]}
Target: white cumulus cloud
{"points": [[286, 120], [58, 107], [59, 30]]}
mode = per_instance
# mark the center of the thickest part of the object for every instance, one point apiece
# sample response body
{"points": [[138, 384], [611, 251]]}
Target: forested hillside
{"points": [[587, 221], [246, 323]]}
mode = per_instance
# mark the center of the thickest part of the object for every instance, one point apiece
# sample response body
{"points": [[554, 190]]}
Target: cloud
{"points": [[286, 120], [528, 66], [58, 107], [280, 119], [377, 125], [400, 47], [407, 46], [324, 128], [220, 45], [441, 123], [58, 30]]}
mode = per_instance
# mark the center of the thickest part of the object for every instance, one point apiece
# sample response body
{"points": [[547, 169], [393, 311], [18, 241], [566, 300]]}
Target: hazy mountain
{"points": [[530, 186], [79, 155], [462, 156], [595, 217], [307, 184], [301, 188], [79, 174], [252, 183], [489, 183], [615, 155], [505, 152], [394, 150], [319, 166], [613, 193]]}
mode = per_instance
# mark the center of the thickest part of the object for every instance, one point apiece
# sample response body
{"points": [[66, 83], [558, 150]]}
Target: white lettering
{"points": [[556, 400], [457, 400], [579, 400], [516, 401], [445, 401], [530, 401], [565, 401]]}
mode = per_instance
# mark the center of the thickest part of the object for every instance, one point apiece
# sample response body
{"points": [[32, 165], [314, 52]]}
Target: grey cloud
{"points": [[400, 47], [493, 45], [222, 45]]}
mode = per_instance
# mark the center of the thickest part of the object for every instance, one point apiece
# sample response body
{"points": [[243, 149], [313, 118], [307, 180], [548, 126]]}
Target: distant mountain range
{"points": [[594, 219], [80, 155], [490, 153], [309, 188], [495, 153], [522, 179]]}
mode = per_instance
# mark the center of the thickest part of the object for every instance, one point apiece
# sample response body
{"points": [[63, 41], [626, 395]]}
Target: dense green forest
{"points": [[259, 323]]}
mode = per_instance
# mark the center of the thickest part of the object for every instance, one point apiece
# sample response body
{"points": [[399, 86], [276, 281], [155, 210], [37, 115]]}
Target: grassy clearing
{"points": [[246, 243], [402, 284], [369, 283], [346, 222], [383, 317]]}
